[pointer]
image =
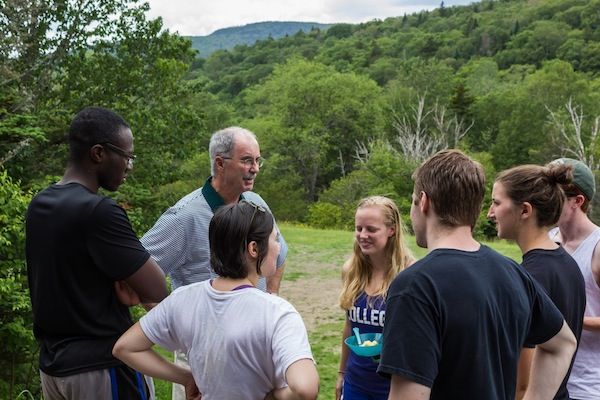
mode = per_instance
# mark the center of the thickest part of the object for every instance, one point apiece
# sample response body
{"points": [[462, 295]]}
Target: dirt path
{"points": [[315, 298]]}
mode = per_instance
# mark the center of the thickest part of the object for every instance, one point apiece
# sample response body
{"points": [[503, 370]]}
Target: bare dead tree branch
{"points": [[418, 140], [570, 138], [14, 151]]}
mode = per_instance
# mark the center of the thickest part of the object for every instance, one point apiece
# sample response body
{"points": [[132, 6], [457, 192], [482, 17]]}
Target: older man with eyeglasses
{"points": [[178, 241]]}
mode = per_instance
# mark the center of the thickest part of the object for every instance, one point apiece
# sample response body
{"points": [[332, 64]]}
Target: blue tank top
{"points": [[362, 371]]}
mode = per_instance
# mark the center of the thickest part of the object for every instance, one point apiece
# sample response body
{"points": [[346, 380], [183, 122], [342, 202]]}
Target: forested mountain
{"points": [[493, 77], [228, 38], [340, 113]]}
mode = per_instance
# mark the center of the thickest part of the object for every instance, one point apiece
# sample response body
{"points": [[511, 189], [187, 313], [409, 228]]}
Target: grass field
{"points": [[311, 284]]}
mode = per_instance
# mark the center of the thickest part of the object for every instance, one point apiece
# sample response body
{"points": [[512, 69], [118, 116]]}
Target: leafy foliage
{"points": [[16, 334], [324, 112]]}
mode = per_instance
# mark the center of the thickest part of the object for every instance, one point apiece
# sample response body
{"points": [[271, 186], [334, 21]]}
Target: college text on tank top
{"points": [[584, 382], [368, 315]]}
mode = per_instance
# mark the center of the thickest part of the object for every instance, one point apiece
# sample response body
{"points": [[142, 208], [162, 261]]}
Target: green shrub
{"points": [[324, 215], [18, 350]]}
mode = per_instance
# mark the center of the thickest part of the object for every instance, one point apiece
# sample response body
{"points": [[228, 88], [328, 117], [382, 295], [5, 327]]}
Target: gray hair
{"points": [[222, 142]]}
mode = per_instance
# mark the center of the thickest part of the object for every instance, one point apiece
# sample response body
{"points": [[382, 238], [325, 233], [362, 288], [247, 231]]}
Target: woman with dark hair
{"points": [[240, 342], [526, 202]]}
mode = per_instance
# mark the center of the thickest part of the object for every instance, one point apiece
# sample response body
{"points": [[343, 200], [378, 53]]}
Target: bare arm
{"points": [[404, 389], [302, 380], [274, 281], [135, 349], [343, 359], [593, 323], [126, 295], [523, 371], [596, 264], [550, 364], [149, 282]]}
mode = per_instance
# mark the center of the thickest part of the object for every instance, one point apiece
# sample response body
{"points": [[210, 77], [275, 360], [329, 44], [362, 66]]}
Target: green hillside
{"points": [[228, 38]]}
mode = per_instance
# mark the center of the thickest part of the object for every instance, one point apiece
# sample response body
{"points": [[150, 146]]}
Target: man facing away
{"points": [[580, 238], [178, 241], [79, 245], [457, 319]]}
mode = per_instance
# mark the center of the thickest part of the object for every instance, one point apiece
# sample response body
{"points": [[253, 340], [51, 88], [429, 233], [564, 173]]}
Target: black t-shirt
{"points": [[77, 245], [456, 322], [558, 273]]}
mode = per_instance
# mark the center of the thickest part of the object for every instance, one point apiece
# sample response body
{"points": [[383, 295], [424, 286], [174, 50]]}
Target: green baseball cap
{"points": [[583, 177]]}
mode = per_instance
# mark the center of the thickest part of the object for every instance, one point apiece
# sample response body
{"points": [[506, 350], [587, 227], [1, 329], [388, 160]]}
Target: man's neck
{"points": [[575, 230], [457, 238], [77, 175], [228, 196]]}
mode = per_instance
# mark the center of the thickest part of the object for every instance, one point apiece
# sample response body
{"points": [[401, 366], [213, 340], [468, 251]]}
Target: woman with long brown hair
{"points": [[380, 253], [526, 202]]}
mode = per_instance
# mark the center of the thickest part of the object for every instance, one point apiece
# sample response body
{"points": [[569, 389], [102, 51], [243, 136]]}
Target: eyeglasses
{"points": [[129, 156], [249, 161], [256, 208]]}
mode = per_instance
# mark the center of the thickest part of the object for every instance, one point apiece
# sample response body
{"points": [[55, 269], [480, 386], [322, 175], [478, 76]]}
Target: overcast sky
{"points": [[202, 17]]}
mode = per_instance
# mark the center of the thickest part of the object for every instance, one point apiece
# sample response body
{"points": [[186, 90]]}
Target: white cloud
{"points": [[201, 17]]}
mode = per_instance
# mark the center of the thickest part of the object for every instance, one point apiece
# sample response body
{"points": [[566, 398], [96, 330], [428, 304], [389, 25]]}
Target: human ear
{"points": [[579, 200], [252, 249], [526, 210], [96, 153], [423, 202], [219, 162]]}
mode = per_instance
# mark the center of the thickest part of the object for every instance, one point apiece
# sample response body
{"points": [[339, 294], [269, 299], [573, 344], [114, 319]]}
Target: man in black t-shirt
{"points": [[85, 265], [457, 319]]}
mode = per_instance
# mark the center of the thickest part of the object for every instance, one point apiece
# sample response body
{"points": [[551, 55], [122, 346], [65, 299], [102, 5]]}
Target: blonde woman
{"points": [[380, 253]]}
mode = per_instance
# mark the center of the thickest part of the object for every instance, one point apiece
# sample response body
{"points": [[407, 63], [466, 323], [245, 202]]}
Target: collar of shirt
{"points": [[211, 196]]}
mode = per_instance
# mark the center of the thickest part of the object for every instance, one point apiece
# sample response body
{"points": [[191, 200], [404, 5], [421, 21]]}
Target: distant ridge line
{"points": [[228, 38]]}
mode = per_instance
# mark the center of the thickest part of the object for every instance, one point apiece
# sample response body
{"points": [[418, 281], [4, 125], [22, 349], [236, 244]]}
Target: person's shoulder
{"points": [[193, 289], [192, 204], [346, 266], [191, 197], [488, 252], [271, 300], [255, 198], [446, 261]]}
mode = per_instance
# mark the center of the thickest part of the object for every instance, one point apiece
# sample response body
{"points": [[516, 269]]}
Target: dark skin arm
{"points": [[147, 285]]}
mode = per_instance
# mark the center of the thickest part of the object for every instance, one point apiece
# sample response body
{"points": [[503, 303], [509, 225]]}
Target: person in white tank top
{"points": [[581, 238]]}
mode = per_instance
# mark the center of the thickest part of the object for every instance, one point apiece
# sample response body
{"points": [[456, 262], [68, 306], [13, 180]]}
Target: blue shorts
{"points": [[351, 392]]}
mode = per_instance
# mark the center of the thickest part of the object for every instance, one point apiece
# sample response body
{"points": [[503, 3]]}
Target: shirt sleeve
{"points": [[290, 344], [546, 320], [113, 245], [158, 325], [166, 242], [283, 249], [411, 340]]}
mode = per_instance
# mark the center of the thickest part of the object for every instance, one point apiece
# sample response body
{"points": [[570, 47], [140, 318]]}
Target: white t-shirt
{"points": [[239, 344]]}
